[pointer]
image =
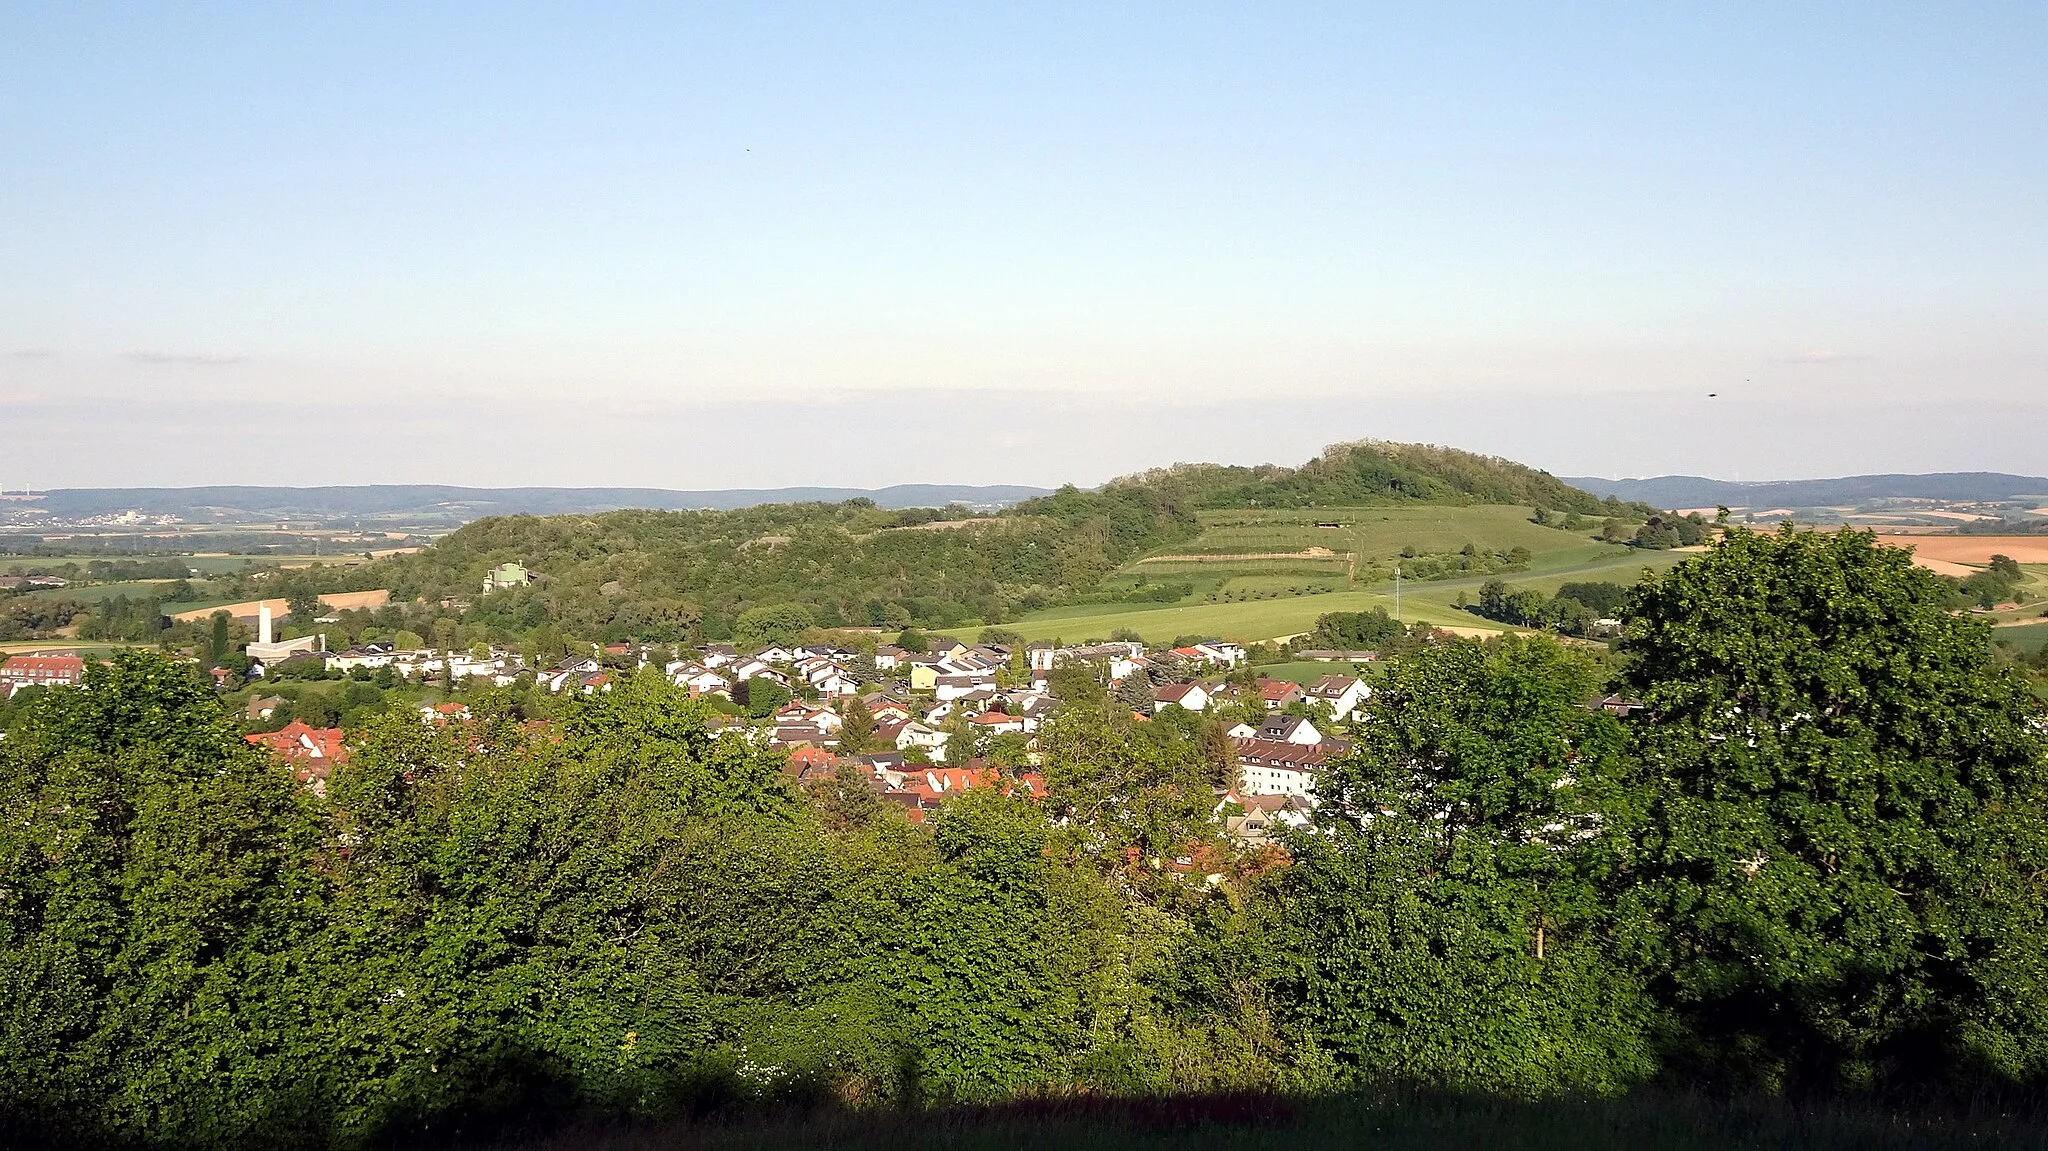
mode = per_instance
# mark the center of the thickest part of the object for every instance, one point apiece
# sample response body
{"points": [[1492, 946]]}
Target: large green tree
{"points": [[1451, 921], [1848, 840]]}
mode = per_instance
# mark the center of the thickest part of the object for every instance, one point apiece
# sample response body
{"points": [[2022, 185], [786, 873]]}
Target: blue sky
{"points": [[613, 244]]}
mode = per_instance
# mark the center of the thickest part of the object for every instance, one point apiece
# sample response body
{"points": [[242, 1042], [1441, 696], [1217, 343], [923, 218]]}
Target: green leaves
{"points": [[1847, 827]]}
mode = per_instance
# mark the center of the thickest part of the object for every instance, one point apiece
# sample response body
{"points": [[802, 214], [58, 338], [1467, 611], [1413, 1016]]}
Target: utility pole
{"points": [[1397, 591]]}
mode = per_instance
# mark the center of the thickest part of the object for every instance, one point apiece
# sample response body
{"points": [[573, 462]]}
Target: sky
{"points": [[749, 245]]}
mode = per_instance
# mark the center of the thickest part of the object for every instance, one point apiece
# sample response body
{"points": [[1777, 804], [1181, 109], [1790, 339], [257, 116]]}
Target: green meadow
{"points": [[1261, 599]]}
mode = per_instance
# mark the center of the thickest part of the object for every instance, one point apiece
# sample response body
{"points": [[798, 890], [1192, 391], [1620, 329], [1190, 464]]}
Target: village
{"points": [[931, 723]]}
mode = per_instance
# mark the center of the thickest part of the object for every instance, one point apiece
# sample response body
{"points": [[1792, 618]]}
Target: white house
{"points": [[1342, 694], [1187, 696], [1289, 729]]}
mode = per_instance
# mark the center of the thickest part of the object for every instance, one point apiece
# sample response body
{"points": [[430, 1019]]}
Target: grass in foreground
{"points": [[1644, 1122]]}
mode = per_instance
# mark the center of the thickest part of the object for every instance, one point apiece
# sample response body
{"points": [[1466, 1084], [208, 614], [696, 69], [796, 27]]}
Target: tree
{"points": [[963, 741], [1472, 843], [763, 696], [776, 624], [856, 728], [304, 607], [1845, 839], [157, 876], [217, 642], [912, 640], [1493, 599], [1358, 630], [1135, 692]]}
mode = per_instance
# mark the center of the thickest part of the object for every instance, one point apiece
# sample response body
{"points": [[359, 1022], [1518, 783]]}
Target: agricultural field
{"points": [[1378, 532], [1239, 597], [2027, 637], [93, 593], [1286, 615]]}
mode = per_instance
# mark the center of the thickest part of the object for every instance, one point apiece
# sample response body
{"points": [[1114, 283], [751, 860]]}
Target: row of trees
{"points": [[1813, 863]]}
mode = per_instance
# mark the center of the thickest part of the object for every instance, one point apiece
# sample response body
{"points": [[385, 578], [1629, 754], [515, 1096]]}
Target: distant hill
{"points": [[464, 504], [1368, 472], [1699, 492]]}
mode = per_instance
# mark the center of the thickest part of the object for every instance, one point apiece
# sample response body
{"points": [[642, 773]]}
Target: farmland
{"points": [[1239, 597], [1976, 550]]}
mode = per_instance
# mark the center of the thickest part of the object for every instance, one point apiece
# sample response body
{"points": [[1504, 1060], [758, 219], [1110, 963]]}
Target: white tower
{"points": [[263, 623]]}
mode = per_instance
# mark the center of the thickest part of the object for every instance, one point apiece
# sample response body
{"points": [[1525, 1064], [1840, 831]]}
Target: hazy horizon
{"points": [[632, 246]]}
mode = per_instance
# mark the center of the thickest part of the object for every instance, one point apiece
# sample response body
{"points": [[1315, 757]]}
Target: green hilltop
{"points": [[667, 576]]}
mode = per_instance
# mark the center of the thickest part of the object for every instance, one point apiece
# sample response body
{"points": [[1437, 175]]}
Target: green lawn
{"points": [[2030, 637], [1307, 671], [1381, 532]]}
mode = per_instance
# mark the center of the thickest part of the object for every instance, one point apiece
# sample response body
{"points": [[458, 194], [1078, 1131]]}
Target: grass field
{"points": [[1307, 671], [93, 593], [204, 564], [1378, 532], [2030, 637], [1264, 619]]}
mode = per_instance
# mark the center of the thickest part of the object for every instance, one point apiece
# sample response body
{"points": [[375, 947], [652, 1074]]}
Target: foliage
{"points": [[1451, 922], [1847, 837], [1357, 630]]}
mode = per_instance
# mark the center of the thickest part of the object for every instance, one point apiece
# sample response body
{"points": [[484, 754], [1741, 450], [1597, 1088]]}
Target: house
{"points": [[775, 654], [1042, 656], [1324, 655], [796, 712], [1289, 729], [369, 655], [1278, 693], [801, 735], [959, 684], [1188, 696], [1261, 818], [886, 710], [720, 655], [40, 671], [1274, 767], [441, 714], [829, 678], [1221, 653], [810, 764], [262, 706], [1619, 706], [754, 667], [698, 679], [912, 734], [888, 657], [925, 671], [569, 675], [996, 723], [506, 575], [311, 752], [1342, 694]]}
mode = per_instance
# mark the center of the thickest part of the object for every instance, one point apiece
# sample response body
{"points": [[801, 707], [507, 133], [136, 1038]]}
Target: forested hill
{"points": [[667, 576], [1366, 472]]}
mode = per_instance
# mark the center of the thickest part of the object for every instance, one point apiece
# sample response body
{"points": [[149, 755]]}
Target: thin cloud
{"points": [[1823, 357], [32, 354], [185, 359]]}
